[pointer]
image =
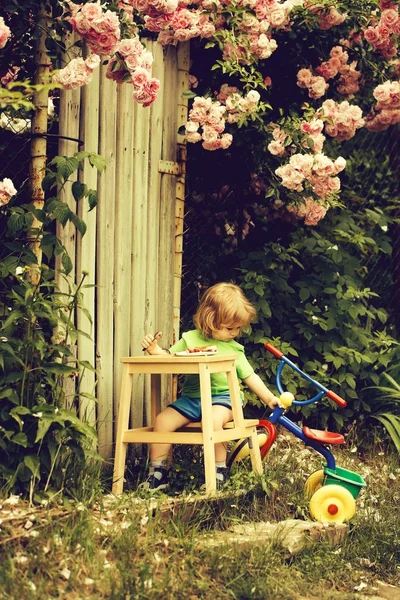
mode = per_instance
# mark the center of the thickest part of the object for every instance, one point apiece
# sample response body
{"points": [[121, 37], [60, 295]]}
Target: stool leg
{"points": [[255, 454], [123, 422], [234, 392], [208, 429]]}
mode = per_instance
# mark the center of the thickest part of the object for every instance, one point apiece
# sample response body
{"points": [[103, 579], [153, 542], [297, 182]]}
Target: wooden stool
{"points": [[204, 366]]}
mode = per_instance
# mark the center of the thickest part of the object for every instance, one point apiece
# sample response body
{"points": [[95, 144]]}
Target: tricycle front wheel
{"points": [[332, 504]]}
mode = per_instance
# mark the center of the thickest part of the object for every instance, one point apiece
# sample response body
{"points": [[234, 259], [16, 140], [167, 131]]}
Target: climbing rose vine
{"points": [[350, 82]]}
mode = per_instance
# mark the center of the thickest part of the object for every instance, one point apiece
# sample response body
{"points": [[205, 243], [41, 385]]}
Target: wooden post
{"points": [[182, 102], [38, 160]]}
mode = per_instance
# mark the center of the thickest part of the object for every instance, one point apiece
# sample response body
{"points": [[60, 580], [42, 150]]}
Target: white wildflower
{"points": [[65, 573]]}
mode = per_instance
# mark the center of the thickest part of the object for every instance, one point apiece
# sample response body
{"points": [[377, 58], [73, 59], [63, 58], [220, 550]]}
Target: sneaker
{"points": [[222, 477], [156, 481]]}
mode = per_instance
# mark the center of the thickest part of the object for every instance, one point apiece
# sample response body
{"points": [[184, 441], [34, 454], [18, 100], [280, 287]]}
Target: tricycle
{"points": [[332, 490]]}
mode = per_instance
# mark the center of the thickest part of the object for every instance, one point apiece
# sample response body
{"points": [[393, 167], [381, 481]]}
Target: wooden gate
{"points": [[132, 250]]}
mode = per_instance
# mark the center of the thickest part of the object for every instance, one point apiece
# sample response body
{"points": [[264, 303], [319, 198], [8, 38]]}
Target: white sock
{"points": [[154, 464]]}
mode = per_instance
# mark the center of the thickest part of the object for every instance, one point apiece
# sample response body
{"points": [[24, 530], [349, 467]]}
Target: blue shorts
{"points": [[191, 407]]}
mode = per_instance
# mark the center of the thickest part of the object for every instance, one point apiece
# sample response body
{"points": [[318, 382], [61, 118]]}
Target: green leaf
{"points": [[20, 439], [66, 263], [78, 190], [61, 211], [97, 161], [92, 199], [392, 425], [79, 224], [59, 369], [65, 165], [304, 294], [87, 365], [33, 463]]}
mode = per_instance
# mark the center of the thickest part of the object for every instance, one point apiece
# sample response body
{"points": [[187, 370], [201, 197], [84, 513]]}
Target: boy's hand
{"points": [[149, 343], [273, 401]]}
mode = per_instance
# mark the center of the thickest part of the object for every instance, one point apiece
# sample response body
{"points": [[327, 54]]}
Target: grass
{"points": [[127, 548]]}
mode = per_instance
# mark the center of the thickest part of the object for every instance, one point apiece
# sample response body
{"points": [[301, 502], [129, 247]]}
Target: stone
{"points": [[292, 534]]}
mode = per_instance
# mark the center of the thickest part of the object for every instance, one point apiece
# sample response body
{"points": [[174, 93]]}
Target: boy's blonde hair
{"points": [[223, 304]]}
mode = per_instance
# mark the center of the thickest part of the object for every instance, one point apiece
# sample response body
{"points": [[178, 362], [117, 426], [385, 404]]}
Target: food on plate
{"points": [[202, 349]]}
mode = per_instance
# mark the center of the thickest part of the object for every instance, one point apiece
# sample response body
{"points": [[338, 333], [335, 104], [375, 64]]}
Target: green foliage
{"points": [[43, 442], [309, 293], [384, 405], [324, 295]]}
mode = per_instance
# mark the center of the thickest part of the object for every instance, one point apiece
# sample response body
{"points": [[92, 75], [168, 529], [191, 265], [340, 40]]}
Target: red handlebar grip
{"points": [[277, 353], [337, 399]]}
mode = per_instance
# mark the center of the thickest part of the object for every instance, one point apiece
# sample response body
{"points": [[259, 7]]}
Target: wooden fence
{"points": [[132, 250]]}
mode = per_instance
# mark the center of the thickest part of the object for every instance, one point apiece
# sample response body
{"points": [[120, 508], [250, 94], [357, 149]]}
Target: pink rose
{"points": [[148, 93], [7, 191], [389, 18], [91, 11], [304, 77], [5, 33], [317, 87], [140, 77], [372, 36]]}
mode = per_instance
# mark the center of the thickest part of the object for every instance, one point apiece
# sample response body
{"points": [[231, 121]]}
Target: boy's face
{"points": [[226, 332]]}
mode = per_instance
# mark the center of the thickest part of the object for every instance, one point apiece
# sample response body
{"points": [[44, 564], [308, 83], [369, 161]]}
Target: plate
{"points": [[186, 353]]}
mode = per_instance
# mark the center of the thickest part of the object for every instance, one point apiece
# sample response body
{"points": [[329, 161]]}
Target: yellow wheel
{"points": [[313, 483], [332, 504], [241, 449]]}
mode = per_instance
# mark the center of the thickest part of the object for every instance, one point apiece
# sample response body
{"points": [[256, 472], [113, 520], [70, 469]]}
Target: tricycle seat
{"points": [[324, 437]]}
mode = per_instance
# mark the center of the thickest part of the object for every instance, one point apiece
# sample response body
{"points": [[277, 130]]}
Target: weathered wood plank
{"points": [[123, 231], [86, 246], [105, 265], [140, 302]]}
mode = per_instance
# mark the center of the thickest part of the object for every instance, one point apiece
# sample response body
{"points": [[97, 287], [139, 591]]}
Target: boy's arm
{"points": [[256, 384]]}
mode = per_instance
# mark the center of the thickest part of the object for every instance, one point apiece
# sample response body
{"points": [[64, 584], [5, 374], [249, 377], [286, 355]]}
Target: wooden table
{"points": [[194, 433]]}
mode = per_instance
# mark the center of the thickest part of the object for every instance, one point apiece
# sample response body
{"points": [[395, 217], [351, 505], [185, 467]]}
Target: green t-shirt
{"points": [[219, 382]]}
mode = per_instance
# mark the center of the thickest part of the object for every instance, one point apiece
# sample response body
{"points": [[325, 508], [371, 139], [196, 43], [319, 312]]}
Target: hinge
{"points": [[169, 166]]}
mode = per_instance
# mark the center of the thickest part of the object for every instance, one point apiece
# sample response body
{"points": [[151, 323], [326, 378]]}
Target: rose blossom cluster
{"points": [[387, 109], [209, 117], [277, 146], [5, 33], [344, 119], [315, 84], [382, 35], [310, 210], [327, 18], [256, 28], [317, 170], [174, 21], [238, 106], [7, 191], [313, 130], [101, 30], [132, 63], [77, 73], [348, 82]]}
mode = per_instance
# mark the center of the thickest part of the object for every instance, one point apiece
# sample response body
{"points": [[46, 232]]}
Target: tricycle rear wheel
{"points": [[314, 483]]}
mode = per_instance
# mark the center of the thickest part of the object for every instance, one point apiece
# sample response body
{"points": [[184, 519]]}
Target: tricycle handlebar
{"points": [[277, 353], [323, 390], [337, 399]]}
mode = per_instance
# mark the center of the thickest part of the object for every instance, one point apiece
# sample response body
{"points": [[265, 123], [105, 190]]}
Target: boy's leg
{"points": [[167, 420], [221, 416]]}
